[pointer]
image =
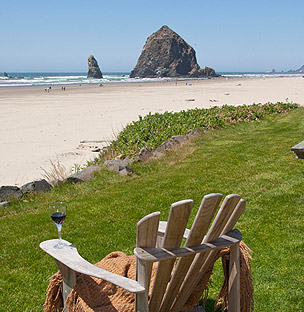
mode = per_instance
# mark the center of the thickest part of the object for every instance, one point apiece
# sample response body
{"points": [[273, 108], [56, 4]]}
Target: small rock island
{"points": [[94, 70], [166, 54]]}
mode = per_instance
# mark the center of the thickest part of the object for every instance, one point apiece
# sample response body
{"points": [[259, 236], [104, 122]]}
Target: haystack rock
{"points": [[94, 70], [166, 54]]}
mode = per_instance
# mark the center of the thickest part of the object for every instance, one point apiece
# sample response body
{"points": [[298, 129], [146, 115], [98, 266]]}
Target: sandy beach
{"points": [[38, 126]]}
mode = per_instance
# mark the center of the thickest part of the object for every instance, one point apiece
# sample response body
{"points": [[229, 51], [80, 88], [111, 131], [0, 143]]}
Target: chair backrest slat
{"points": [[194, 274], [146, 236], [172, 289], [147, 229], [199, 228], [235, 216], [177, 222], [239, 209]]}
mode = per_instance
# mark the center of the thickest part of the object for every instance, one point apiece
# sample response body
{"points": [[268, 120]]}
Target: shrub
{"points": [[152, 130]]}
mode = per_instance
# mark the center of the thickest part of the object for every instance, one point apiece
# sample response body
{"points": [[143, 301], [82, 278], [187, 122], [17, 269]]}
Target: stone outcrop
{"points": [[120, 166], [166, 54], [94, 70], [203, 72], [84, 175], [7, 192], [36, 187], [144, 154]]}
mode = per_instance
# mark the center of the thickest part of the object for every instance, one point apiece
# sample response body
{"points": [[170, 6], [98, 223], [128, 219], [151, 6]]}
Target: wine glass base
{"points": [[60, 246]]}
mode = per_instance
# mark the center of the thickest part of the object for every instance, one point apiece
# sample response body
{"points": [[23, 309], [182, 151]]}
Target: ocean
{"points": [[65, 79]]}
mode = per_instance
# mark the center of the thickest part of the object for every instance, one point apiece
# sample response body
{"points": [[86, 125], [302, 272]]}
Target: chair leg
{"points": [[143, 273], [69, 280], [234, 279]]}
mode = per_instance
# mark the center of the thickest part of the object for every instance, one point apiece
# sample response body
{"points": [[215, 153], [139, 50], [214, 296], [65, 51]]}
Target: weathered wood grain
{"points": [[161, 254], [70, 258], [194, 274], [146, 237], [177, 222]]}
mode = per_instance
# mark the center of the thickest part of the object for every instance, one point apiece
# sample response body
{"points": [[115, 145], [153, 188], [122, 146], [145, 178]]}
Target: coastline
{"points": [[38, 126]]}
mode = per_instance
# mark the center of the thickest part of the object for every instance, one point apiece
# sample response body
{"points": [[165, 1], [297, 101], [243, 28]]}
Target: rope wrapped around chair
{"points": [[95, 295]]}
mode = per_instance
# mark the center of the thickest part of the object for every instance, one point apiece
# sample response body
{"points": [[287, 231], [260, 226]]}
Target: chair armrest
{"points": [[159, 254], [70, 257]]}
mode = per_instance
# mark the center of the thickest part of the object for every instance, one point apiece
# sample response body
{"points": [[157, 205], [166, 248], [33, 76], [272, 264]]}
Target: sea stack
{"points": [[94, 70], [166, 54]]}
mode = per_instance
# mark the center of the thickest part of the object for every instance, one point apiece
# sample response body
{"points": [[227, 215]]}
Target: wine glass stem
{"points": [[59, 226]]}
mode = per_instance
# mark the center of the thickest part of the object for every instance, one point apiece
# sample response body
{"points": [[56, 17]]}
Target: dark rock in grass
{"points": [[113, 165], [126, 171], [84, 175], [179, 139], [158, 154], [163, 147], [193, 132], [144, 154], [36, 186], [4, 204], [120, 166], [176, 139], [8, 192], [117, 164], [93, 68]]}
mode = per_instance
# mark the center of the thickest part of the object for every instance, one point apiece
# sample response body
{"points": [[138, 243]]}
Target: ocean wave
{"points": [[65, 77], [17, 85], [51, 79]]}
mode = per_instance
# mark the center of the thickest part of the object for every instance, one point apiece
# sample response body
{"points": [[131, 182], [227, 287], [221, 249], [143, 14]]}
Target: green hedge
{"points": [[152, 130]]}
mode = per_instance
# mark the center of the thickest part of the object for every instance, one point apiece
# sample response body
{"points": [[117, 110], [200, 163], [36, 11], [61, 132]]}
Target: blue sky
{"points": [[227, 35]]}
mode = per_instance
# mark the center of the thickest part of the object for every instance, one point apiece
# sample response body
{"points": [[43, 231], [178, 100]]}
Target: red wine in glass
{"points": [[58, 213], [58, 217]]}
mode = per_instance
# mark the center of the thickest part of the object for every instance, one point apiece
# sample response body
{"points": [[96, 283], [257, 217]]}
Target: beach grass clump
{"points": [[152, 130], [57, 173]]}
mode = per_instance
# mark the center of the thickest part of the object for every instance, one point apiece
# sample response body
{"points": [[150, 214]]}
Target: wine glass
{"points": [[58, 212]]}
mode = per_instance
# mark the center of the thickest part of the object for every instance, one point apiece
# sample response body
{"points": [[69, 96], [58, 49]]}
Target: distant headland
{"points": [[299, 70]]}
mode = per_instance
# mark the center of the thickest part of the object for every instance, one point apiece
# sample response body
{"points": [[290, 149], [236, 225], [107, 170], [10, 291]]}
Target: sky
{"points": [[234, 35]]}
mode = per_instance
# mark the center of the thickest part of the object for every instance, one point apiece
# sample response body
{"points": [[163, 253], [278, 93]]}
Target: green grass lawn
{"points": [[251, 159]]}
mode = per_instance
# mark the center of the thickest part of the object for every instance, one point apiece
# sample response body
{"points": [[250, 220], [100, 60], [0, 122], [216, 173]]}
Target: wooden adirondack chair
{"points": [[159, 241]]}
